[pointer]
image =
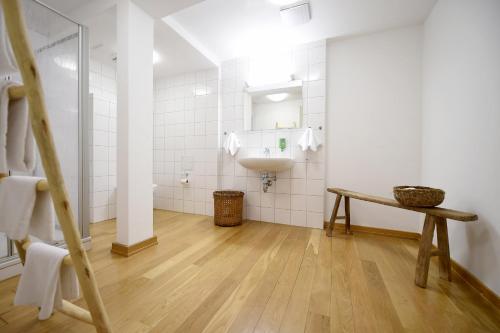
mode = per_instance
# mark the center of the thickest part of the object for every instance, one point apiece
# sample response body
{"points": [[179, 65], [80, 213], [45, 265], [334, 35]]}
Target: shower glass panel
{"points": [[61, 54], [55, 42]]}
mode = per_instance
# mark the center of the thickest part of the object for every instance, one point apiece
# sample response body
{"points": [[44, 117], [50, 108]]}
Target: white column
{"points": [[135, 124]]}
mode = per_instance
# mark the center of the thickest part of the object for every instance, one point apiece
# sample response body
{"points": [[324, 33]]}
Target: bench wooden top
{"points": [[441, 212]]}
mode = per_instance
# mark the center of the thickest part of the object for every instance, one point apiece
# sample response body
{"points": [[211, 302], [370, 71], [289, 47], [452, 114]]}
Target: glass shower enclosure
{"points": [[61, 50]]}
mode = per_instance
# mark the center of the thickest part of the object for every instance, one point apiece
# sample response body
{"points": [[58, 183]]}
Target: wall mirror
{"points": [[277, 106]]}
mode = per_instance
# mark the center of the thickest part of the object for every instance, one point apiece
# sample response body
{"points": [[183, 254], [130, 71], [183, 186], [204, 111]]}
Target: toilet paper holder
{"points": [[185, 180]]}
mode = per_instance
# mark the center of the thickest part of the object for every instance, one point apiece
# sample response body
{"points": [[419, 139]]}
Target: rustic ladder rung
{"points": [[76, 312], [436, 252], [41, 186], [17, 92], [26, 243]]}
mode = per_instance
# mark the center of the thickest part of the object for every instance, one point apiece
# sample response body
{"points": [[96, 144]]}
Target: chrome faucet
{"points": [[267, 152]]}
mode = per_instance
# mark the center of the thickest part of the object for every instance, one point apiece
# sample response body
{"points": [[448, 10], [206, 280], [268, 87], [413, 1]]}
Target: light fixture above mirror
{"points": [[277, 97]]}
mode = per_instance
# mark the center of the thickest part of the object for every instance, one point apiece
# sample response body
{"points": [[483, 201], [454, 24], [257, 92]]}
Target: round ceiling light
{"points": [[277, 97]]}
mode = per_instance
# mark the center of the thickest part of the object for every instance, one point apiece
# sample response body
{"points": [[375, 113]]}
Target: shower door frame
{"points": [[83, 132], [84, 121]]}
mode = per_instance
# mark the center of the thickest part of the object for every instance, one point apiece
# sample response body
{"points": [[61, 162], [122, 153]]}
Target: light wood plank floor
{"points": [[263, 277]]}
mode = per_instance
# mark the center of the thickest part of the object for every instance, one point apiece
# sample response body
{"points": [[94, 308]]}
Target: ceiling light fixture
{"points": [[277, 97], [296, 15]]}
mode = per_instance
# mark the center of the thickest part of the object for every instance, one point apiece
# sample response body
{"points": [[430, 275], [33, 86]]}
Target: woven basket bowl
{"points": [[228, 208], [418, 196]]}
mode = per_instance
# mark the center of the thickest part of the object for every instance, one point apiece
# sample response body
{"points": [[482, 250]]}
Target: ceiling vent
{"points": [[296, 14]]}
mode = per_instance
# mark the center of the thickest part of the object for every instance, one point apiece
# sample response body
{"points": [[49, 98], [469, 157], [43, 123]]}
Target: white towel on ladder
{"points": [[24, 210], [45, 282], [8, 64], [17, 145], [232, 144], [309, 140]]}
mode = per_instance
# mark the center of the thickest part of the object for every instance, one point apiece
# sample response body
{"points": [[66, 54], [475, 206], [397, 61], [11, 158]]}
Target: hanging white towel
{"points": [[232, 144], [8, 63], [309, 140], [45, 282], [24, 210], [17, 145]]}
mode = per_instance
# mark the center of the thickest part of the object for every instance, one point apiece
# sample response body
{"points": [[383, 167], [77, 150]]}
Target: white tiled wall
{"points": [[102, 85], [188, 135], [297, 197], [186, 140]]}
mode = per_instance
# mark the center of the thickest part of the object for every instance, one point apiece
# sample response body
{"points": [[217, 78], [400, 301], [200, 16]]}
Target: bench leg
{"points": [[347, 216], [331, 225], [424, 252], [444, 248]]}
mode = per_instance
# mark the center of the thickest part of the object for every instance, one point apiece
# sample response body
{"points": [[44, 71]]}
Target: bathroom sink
{"points": [[266, 164]]}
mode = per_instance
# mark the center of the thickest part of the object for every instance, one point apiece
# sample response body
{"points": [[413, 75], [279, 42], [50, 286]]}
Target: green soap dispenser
{"points": [[282, 144]]}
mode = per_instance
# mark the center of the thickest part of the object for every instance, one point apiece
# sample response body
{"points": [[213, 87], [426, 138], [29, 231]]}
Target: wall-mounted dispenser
{"points": [[282, 144]]}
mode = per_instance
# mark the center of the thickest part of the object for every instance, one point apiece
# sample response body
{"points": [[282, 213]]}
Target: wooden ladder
{"points": [[32, 89]]}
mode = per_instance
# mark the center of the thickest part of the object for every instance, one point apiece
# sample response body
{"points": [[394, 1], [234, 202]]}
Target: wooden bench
{"points": [[434, 218]]}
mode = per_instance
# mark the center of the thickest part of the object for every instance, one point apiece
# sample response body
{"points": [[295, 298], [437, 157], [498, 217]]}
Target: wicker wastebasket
{"points": [[228, 208]]}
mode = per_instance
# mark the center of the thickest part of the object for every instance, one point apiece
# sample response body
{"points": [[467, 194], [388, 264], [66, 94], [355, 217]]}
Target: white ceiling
{"points": [[228, 29], [177, 55], [161, 8], [197, 30]]}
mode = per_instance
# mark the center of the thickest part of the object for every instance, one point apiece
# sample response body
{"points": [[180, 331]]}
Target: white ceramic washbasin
{"points": [[266, 164]]}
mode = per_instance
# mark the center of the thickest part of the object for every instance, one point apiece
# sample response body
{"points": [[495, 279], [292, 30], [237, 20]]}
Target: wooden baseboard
{"points": [[128, 250], [467, 276], [376, 231], [475, 283]]}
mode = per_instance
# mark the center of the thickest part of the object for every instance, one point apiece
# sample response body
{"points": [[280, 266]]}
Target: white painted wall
{"points": [[374, 121], [135, 124], [461, 126]]}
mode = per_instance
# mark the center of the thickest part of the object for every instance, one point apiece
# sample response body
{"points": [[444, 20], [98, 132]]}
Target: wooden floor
{"points": [[263, 277]]}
